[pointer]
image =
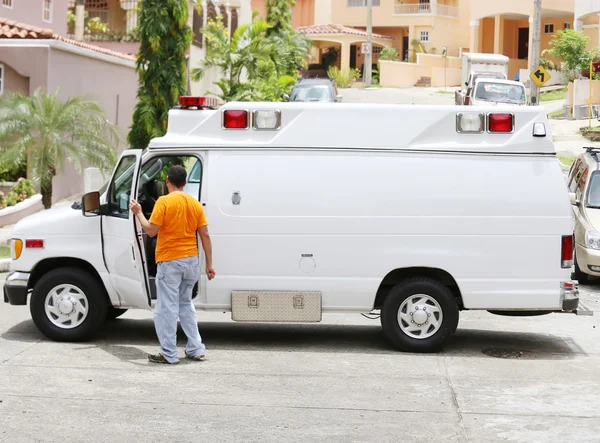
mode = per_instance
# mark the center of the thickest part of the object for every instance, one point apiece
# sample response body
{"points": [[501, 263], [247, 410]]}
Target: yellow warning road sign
{"points": [[540, 76]]}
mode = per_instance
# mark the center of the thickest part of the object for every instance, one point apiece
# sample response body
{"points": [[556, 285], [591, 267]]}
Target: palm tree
{"points": [[48, 132]]}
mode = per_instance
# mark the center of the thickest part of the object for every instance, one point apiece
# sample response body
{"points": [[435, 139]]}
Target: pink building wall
{"points": [[113, 86], [30, 12]]}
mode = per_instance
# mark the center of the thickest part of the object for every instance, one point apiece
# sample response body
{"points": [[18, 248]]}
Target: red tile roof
{"points": [[335, 29], [12, 29]]}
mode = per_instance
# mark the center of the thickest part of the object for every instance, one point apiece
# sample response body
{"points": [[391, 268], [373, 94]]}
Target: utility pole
{"points": [[369, 56], [535, 49]]}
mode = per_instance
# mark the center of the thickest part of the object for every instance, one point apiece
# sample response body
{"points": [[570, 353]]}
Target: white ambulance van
{"points": [[413, 212]]}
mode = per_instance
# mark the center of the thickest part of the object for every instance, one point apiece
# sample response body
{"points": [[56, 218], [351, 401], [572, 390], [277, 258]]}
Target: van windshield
{"points": [[500, 92], [593, 192]]}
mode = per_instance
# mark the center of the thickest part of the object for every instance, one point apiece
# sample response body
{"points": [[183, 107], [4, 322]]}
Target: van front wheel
{"points": [[419, 315], [68, 304]]}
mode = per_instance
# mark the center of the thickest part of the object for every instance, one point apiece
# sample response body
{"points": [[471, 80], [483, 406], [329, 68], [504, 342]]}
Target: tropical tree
{"points": [[248, 52], [279, 15], [570, 47], [49, 133], [165, 38]]}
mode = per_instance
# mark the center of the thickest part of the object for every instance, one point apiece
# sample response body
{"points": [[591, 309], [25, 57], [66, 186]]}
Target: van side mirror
{"points": [[573, 198], [90, 204]]}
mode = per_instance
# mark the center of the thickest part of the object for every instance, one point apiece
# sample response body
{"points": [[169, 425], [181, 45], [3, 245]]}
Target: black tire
{"points": [[578, 275], [88, 284], [114, 313], [398, 294]]}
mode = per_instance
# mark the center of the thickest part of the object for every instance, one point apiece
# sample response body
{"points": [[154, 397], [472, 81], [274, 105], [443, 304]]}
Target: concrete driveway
{"points": [[499, 379]]}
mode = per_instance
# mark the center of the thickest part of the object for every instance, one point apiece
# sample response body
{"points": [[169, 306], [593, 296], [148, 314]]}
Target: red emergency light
{"points": [[188, 101], [566, 251], [235, 119], [502, 123]]}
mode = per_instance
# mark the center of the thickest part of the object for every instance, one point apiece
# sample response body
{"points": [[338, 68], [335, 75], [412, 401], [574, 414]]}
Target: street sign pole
{"points": [[535, 48], [369, 56], [445, 55]]}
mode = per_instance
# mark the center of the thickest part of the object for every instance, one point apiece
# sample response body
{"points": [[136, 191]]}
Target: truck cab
{"points": [[489, 91]]}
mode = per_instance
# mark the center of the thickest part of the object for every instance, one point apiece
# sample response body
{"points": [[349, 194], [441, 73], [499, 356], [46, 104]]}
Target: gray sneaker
{"points": [[198, 358]]}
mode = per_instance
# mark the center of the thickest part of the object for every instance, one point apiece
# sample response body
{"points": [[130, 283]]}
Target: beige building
{"points": [[421, 29]]}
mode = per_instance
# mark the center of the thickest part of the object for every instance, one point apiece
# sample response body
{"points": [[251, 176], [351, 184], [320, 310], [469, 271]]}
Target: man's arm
{"points": [[207, 245], [148, 227]]}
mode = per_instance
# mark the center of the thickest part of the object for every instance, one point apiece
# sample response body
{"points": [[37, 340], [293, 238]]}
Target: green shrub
{"points": [[12, 198], [23, 189], [343, 78], [389, 54], [547, 64], [2, 200]]}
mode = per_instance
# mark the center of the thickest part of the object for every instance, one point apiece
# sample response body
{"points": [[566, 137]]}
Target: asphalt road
{"points": [[499, 379]]}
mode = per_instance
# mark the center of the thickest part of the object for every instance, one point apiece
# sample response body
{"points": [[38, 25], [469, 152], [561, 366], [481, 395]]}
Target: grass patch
{"points": [[556, 114], [445, 92], [4, 251], [557, 94], [567, 160]]}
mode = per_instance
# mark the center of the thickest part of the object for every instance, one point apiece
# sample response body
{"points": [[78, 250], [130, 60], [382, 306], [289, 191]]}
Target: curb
{"points": [[5, 264]]}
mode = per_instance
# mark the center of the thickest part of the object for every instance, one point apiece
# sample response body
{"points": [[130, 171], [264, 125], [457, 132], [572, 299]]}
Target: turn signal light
{"points": [[17, 248], [235, 119], [502, 123], [34, 243]]}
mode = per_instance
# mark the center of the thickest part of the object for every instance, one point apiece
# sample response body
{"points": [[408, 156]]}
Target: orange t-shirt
{"points": [[179, 216]]}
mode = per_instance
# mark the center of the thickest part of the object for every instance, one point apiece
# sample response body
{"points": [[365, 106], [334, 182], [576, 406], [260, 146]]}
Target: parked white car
{"points": [[415, 212], [584, 190]]}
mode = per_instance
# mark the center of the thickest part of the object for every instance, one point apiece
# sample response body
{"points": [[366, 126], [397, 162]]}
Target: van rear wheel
{"points": [[419, 315], [68, 304]]}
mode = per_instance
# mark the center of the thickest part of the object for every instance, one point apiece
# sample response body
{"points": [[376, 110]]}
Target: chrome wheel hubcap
{"points": [[420, 316], [66, 306]]}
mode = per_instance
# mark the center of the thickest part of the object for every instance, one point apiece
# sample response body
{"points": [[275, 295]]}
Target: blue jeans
{"points": [[175, 281]]}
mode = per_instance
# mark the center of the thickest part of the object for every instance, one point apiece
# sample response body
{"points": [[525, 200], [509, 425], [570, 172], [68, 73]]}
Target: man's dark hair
{"points": [[177, 176]]}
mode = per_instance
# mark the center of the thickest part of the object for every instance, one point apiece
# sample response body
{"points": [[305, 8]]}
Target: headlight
{"points": [[592, 239], [16, 247]]}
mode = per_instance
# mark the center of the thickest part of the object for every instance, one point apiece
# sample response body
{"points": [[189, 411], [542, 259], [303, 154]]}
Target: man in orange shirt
{"points": [[176, 218]]}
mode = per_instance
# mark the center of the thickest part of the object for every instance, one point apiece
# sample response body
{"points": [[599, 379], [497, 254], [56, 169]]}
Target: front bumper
{"points": [[16, 288], [586, 258]]}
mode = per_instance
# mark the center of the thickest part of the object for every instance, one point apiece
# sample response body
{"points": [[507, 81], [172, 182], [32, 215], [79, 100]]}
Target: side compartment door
{"points": [[121, 235]]}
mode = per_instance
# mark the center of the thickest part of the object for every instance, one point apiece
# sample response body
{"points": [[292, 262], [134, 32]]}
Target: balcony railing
{"points": [[361, 3], [106, 21], [426, 9]]}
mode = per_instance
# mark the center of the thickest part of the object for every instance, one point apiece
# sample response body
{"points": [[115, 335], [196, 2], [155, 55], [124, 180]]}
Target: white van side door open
{"points": [[123, 245]]}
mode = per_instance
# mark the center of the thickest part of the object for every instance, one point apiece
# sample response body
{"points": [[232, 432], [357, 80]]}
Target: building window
{"points": [[361, 3], [97, 9], [424, 36], [7, 3], [377, 49], [549, 28], [1, 79], [567, 25], [47, 11]]}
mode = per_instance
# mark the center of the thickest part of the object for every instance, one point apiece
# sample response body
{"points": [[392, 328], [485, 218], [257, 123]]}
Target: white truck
{"points": [[412, 212], [476, 66]]}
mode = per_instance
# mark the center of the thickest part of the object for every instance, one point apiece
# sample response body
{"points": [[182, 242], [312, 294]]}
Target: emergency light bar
{"points": [[187, 101], [501, 123], [262, 119]]}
